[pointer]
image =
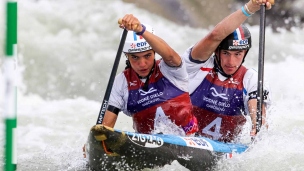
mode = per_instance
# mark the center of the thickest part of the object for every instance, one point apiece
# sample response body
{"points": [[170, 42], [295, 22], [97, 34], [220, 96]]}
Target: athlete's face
{"points": [[231, 60], [142, 62]]}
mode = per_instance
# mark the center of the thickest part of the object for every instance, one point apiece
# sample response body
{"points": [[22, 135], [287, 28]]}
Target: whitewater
{"points": [[66, 50]]}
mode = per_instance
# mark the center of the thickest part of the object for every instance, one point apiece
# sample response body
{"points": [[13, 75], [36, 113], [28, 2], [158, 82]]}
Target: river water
{"points": [[66, 50]]}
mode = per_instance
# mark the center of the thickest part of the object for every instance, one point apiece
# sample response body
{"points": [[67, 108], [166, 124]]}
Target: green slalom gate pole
{"points": [[10, 92]]}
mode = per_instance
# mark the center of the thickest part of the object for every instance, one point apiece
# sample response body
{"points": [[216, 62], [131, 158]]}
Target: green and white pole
{"points": [[10, 92]]}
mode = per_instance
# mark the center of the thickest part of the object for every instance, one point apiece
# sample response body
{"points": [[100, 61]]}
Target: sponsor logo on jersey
{"points": [[149, 96], [142, 92], [234, 81], [216, 94], [134, 83]]}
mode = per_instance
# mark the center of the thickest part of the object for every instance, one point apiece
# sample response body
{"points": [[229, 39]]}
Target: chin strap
{"points": [[218, 68]]}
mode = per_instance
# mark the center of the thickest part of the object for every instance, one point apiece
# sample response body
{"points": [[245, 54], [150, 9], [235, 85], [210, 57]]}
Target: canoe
{"points": [[112, 149]]}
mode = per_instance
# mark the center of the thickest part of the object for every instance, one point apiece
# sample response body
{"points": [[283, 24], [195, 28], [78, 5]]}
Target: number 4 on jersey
{"points": [[216, 126]]}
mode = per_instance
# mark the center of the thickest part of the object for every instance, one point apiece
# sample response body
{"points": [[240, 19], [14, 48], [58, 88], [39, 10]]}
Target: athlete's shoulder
{"points": [[250, 80], [120, 75], [186, 54], [250, 73], [188, 58], [120, 80]]}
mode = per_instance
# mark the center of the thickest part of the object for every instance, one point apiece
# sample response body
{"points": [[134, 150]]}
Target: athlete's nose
{"points": [[142, 62], [230, 59]]}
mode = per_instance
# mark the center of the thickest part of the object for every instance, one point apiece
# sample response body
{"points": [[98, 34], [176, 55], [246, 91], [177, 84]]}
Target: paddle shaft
{"points": [[104, 105], [261, 68]]}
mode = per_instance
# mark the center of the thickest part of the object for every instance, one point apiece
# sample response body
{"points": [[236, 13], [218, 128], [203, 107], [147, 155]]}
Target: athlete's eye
{"points": [[239, 54], [147, 56], [135, 57], [225, 53]]}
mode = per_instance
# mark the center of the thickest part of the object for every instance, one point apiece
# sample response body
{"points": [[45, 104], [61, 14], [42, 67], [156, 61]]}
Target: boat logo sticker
{"points": [[149, 141], [197, 143]]}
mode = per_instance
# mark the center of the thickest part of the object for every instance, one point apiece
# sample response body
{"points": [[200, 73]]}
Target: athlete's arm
{"points": [[116, 101], [170, 57], [206, 46], [252, 107], [109, 119]]}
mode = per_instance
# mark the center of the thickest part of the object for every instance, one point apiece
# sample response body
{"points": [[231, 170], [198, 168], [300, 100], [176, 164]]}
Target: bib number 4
{"points": [[213, 129]]}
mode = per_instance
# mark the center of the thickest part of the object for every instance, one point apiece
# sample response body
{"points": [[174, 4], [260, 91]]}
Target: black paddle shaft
{"points": [[111, 79], [261, 67]]}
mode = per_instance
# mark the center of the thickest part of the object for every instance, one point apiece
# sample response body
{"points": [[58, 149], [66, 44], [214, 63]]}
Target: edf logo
{"points": [[138, 45], [141, 44], [240, 42]]}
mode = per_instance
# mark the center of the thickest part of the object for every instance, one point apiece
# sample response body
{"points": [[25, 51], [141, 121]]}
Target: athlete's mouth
{"points": [[143, 70], [230, 67]]}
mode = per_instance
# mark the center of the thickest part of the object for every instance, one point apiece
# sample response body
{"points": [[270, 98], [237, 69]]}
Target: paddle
{"points": [[261, 66], [111, 79]]}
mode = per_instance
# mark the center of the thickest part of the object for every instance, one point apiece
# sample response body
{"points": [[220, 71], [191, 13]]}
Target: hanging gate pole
{"points": [[10, 92]]}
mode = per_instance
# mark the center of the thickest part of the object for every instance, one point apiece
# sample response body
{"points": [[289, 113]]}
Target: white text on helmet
{"points": [[238, 47], [142, 49]]}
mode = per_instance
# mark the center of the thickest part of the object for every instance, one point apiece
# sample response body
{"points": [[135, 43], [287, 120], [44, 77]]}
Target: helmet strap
{"points": [[217, 64], [245, 56], [218, 68]]}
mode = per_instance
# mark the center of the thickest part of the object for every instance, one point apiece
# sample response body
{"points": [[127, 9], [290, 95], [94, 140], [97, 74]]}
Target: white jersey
{"points": [[119, 95], [198, 70]]}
